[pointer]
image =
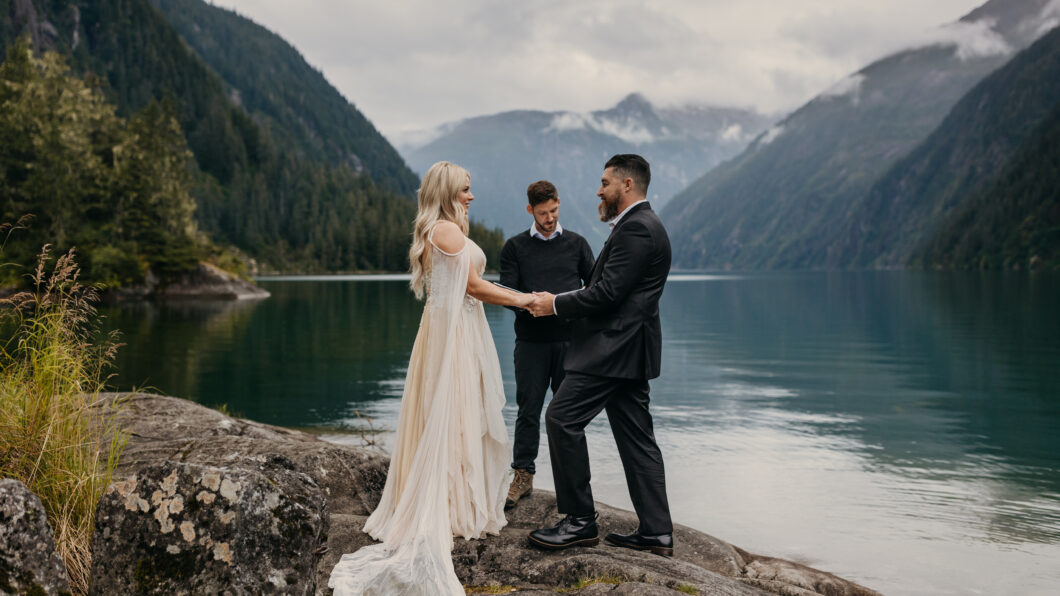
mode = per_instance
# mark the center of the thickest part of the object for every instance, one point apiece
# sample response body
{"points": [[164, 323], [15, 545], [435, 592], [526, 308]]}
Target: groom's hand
{"points": [[542, 305]]}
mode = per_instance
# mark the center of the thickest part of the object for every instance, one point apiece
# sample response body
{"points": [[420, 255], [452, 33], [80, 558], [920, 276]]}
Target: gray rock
{"points": [[205, 282], [208, 281], [169, 429], [172, 429], [179, 528], [28, 561]]}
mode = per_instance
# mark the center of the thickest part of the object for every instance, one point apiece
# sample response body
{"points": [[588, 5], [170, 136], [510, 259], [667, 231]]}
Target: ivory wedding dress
{"points": [[449, 469]]}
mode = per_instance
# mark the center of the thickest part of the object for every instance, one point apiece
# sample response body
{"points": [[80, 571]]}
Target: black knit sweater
{"points": [[558, 265]]}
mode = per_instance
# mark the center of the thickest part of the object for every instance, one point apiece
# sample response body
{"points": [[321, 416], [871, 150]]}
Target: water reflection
{"points": [[899, 428], [310, 354]]}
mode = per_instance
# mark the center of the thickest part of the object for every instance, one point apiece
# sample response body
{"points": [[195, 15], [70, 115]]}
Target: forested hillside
{"points": [[285, 95], [291, 198], [1014, 221], [782, 203], [972, 147], [116, 189]]}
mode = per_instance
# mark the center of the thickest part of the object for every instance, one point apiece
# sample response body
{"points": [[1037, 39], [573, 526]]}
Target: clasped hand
{"points": [[540, 304]]}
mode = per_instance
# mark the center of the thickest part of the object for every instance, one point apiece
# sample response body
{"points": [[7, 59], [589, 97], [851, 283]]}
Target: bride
{"points": [[449, 466]]}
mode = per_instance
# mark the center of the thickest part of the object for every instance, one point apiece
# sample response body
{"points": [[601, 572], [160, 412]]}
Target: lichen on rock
{"points": [[269, 524], [28, 561]]}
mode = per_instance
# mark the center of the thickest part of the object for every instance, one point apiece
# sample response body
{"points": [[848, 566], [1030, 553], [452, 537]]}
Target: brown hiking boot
{"points": [[522, 485]]}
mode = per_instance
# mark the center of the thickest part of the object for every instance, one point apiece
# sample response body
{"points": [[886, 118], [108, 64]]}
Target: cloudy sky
{"points": [[413, 64]]}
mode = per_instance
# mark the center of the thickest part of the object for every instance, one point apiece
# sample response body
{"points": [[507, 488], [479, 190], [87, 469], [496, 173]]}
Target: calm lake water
{"points": [[900, 429]]}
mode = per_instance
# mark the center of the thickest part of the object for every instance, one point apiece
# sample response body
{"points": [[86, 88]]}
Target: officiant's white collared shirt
{"points": [[535, 233], [611, 224]]}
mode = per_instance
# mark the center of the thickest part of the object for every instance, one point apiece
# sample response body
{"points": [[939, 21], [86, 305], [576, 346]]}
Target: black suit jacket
{"points": [[617, 332]]}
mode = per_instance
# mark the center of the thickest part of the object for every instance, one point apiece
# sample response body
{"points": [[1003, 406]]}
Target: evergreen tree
{"points": [[116, 190]]}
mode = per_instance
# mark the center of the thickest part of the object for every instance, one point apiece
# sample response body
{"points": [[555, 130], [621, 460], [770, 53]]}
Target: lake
{"points": [[900, 429]]}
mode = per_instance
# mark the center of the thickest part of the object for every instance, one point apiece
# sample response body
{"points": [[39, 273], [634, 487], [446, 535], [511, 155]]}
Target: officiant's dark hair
{"points": [[541, 191], [633, 166]]}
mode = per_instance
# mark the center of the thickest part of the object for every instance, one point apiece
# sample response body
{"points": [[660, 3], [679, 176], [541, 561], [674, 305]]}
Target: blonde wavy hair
{"points": [[437, 202]]}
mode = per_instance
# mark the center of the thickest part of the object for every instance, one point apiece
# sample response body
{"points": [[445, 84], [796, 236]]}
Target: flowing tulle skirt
{"points": [[449, 468]]}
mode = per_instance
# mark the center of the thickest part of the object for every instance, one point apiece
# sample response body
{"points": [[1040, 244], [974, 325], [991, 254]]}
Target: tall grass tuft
{"points": [[56, 434]]}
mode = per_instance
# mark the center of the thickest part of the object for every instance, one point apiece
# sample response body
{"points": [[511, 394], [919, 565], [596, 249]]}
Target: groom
{"points": [[615, 349]]}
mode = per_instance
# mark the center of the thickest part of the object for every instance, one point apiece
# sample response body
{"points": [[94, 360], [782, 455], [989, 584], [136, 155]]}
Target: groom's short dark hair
{"points": [[541, 191], [632, 166]]}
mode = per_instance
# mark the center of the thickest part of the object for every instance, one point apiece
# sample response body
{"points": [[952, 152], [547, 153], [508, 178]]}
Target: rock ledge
{"points": [[176, 443]]}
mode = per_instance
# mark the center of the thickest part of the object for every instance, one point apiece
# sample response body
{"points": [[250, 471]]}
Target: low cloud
{"points": [[849, 86], [414, 64], [771, 135], [733, 134], [1049, 19], [972, 40], [629, 132]]}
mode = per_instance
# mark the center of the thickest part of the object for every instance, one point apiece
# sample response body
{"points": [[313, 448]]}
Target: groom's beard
{"points": [[608, 209]]}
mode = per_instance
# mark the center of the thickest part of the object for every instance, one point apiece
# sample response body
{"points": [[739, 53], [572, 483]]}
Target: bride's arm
{"points": [[449, 238], [494, 294]]}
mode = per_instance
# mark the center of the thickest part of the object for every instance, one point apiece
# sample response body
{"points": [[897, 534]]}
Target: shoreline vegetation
{"points": [[54, 437]]}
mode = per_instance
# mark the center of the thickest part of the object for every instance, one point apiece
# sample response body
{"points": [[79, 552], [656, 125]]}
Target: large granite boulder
{"points": [[171, 429], [28, 561], [179, 528], [166, 429]]}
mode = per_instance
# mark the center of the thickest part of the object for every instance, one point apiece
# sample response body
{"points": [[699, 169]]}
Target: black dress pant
{"points": [[537, 367], [579, 399]]}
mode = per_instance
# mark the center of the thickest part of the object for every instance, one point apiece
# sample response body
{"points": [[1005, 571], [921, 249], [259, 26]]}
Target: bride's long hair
{"points": [[437, 201]]}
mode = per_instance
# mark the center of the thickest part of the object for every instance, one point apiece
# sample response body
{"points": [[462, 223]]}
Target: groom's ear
{"points": [[530, 209]]}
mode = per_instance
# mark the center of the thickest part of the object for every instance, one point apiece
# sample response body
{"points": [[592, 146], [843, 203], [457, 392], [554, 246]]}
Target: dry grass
{"points": [[54, 436], [588, 581]]}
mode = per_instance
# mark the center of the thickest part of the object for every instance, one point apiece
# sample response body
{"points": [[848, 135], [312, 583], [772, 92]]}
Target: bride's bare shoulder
{"points": [[448, 237]]}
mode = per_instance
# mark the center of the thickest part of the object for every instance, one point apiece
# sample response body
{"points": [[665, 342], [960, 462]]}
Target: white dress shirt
{"points": [[535, 233]]}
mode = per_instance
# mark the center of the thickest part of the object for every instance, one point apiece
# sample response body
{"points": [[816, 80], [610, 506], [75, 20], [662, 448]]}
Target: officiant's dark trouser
{"points": [[538, 365], [579, 399]]}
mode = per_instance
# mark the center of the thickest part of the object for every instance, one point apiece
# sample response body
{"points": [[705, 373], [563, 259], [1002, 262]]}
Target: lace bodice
{"points": [[444, 271]]}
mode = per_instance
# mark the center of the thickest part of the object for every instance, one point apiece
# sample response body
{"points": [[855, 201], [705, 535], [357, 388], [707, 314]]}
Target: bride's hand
{"points": [[525, 300]]}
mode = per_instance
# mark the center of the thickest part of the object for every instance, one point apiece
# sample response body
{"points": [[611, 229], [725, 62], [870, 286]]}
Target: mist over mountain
{"points": [[782, 203], [506, 152], [920, 196]]}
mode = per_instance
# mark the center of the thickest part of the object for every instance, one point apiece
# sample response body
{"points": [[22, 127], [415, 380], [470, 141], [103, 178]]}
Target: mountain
{"points": [[1014, 222], [506, 152], [284, 94], [971, 149], [298, 182], [782, 202]]}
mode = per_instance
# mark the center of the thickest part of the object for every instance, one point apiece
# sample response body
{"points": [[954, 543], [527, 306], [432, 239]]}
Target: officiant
{"points": [[545, 258]]}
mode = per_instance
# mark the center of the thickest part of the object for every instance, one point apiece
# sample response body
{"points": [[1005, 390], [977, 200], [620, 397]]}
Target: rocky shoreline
{"points": [[203, 502], [205, 282]]}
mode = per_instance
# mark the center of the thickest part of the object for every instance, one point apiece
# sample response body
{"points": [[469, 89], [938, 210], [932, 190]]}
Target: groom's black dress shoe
{"points": [[663, 544], [573, 530]]}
